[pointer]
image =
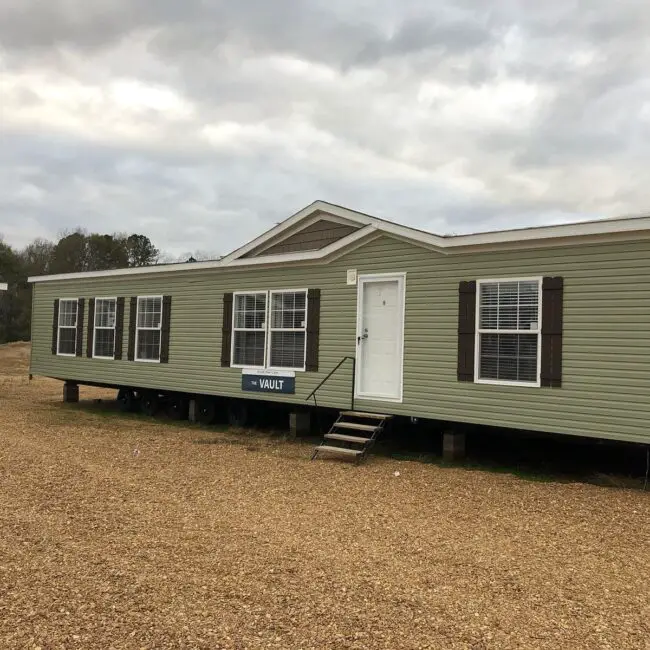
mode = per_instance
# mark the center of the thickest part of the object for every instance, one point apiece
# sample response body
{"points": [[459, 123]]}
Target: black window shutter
{"points": [[119, 328], [91, 328], [552, 326], [226, 330], [466, 330], [133, 314], [80, 326], [165, 328], [313, 329], [55, 327]]}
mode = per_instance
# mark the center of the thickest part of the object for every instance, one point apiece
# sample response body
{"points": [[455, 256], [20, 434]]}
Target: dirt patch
{"points": [[14, 359], [123, 532]]}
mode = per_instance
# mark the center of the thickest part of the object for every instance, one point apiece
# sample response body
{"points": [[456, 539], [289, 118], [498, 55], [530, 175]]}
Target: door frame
{"points": [[362, 280]]}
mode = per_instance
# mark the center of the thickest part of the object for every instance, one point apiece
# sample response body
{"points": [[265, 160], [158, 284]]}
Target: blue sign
{"points": [[267, 383]]}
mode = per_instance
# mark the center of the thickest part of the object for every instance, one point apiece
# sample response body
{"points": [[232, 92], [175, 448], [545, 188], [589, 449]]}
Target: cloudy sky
{"points": [[203, 122]]}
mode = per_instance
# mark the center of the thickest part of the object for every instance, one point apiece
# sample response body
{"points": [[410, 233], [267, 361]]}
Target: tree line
{"points": [[73, 252]]}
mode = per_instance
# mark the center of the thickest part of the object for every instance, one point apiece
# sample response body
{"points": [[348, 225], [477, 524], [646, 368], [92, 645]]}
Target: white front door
{"points": [[380, 336]]}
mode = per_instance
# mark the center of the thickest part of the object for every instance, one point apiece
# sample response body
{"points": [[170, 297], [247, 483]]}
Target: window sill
{"points": [[503, 382], [65, 354], [275, 369], [105, 358], [147, 360], [284, 369]]}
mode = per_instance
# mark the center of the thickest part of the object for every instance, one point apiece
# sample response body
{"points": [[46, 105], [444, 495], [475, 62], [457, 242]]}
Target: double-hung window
{"points": [[148, 328], [67, 334], [270, 330], [288, 329], [508, 336], [104, 334], [249, 330]]}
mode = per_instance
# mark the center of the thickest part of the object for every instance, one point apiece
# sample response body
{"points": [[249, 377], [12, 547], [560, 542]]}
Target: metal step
{"points": [[358, 427], [361, 414], [342, 436], [340, 450]]}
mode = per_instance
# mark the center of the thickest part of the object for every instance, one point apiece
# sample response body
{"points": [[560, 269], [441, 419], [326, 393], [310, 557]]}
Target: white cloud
{"points": [[202, 124], [124, 109]]}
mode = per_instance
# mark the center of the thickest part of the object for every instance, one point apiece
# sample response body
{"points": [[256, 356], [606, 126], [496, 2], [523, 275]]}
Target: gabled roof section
{"points": [[296, 240], [537, 237], [310, 234], [317, 211]]}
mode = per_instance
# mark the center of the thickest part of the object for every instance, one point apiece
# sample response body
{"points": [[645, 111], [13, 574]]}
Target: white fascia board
{"points": [[349, 216], [270, 234], [339, 212], [614, 225], [449, 242], [136, 270], [586, 228], [192, 266], [315, 217], [306, 255], [413, 235], [618, 228]]}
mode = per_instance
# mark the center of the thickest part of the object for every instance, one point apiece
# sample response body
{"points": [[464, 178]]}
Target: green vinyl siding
{"points": [[606, 357]]}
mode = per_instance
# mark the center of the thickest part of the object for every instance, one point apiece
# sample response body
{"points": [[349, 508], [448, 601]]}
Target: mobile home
{"points": [[542, 329]]}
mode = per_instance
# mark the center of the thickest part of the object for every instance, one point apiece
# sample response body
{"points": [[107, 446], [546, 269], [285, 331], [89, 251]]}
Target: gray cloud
{"points": [[203, 123]]}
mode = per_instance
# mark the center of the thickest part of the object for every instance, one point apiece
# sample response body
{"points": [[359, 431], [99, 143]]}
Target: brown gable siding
{"points": [[314, 237]]}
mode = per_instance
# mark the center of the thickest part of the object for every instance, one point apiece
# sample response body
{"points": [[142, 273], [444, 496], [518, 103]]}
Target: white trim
{"points": [[271, 329], [503, 382], [267, 330], [268, 372], [139, 270], [532, 278], [298, 228], [68, 327], [304, 256], [4, 286], [96, 356], [274, 232], [478, 331], [362, 279], [614, 229], [148, 329], [244, 329]]}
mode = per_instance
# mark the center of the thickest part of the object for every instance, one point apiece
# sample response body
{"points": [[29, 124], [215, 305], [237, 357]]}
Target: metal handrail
{"points": [[338, 365]]}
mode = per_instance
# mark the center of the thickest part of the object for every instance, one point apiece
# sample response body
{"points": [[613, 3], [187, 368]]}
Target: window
{"points": [[249, 328], [104, 334], [67, 337], [148, 326], [270, 330], [288, 329], [508, 332]]}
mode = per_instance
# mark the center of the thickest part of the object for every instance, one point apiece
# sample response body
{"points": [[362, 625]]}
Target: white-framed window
{"points": [[148, 328], [67, 326], [269, 329], [287, 329], [104, 329], [249, 330], [508, 331]]}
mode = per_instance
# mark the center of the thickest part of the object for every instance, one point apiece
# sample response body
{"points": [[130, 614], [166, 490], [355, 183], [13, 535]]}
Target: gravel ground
{"points": [[120, 532]]}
